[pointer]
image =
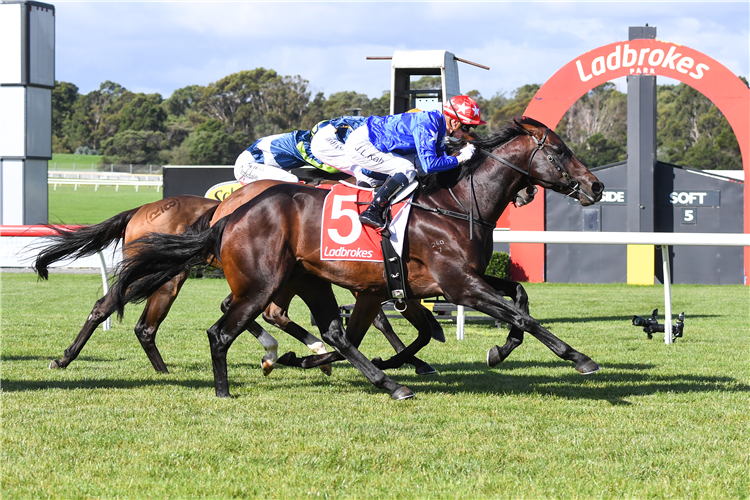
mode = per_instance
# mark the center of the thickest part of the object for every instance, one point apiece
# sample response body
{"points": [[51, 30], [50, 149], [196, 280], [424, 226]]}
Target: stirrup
{"points": [[370, 219]]}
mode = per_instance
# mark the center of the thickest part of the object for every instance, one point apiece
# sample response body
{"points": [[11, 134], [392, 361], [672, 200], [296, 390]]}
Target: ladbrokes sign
{"points": [[641, 60], [637, 58]]}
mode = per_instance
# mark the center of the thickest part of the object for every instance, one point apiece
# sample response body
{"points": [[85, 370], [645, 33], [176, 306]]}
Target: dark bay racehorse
{"points": [[172, 216], [273, 241]]}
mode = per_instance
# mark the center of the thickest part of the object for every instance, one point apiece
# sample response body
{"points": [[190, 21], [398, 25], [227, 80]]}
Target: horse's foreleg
{"points": [[103, 309], [472, 291], [381, 323], [516, 292], [424, 322], [268, 363], [156, 310]]}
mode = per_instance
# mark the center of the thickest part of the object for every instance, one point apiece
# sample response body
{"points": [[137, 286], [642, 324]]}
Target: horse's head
{"points": [[553, 165]]}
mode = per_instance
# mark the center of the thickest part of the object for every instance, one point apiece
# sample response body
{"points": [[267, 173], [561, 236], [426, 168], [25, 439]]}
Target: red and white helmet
{"points": [[464, 109]]}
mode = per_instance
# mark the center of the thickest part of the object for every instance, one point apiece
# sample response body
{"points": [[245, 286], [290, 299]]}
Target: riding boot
{"points": [[373, 215]]}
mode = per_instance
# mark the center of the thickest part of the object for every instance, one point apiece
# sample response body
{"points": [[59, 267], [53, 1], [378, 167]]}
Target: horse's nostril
{"points": [[597, 187]]}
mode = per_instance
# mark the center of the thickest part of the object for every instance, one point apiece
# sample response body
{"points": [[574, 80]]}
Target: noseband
{"points": [[571, 184]]}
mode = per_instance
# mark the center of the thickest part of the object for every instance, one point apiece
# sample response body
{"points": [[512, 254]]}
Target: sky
{"points": [[163, 46]]}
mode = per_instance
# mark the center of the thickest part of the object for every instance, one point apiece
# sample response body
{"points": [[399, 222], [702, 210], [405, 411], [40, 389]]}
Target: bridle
{"points": [[571, 184]]}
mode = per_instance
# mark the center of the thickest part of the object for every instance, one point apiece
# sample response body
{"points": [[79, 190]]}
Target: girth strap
{"points": [[455, 215]]}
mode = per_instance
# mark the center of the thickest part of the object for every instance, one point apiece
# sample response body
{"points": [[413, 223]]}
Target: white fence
{"points": [[665, 240], [97, 179]]}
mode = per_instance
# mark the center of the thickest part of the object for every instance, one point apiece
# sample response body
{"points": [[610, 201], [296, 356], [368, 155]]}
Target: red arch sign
{"points": [[635, 57]]}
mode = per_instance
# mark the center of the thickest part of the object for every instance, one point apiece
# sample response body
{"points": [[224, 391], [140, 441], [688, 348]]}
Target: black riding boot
{"points": [[373, 216]]}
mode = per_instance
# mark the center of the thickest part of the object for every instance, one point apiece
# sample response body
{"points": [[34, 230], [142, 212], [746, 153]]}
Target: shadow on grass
{"points": [[613, 383], [47, 359], [101, 383], [626, 318]]}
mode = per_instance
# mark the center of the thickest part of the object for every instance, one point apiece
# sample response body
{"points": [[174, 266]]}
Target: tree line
{"points": [[212, 124]]}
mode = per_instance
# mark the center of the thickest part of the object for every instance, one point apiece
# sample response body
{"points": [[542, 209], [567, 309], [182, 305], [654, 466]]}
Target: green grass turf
{"points": [[657, 421], [88, 206], [61, 161]]}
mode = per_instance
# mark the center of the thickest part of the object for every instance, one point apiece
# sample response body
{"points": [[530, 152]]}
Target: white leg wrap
{"points": [[270, 344]]}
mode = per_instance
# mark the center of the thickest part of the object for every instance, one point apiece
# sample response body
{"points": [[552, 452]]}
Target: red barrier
{"points": [[31, 231]]}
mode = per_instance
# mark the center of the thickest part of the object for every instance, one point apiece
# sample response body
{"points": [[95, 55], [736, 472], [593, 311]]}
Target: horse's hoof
{"points": [[327, 369], [402, 393], [377, 362], [425, 369], [55, 364], [438, 335], [267, 367], [493, 357], [588, 367]]}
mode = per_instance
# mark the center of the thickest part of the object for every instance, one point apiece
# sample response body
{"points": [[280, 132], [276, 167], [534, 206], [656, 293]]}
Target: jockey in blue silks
{"points": [[322, 147], [389, 144]]}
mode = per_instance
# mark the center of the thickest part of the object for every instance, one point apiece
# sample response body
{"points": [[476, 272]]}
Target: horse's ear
{"points": [[523, 127]]}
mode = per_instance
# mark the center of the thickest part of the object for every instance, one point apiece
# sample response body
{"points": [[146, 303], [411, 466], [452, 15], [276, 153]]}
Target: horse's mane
{"points": [[429, 183]]}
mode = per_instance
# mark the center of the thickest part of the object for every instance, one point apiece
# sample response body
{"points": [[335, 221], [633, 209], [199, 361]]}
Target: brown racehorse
{"points": [[173, 215], [440, 258]]}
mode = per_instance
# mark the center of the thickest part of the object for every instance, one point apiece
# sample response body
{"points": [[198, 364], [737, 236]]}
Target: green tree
{"points": [[210, 144], [96, 115], [64, 97], [595, 127], [691, 131], [183, 100], [598, 150], [143, 112], [133, 146], [257, 102], [515, 106]]}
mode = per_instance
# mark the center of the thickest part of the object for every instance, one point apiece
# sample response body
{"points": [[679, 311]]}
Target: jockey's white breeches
{"points": [[326, 147], [247, 170]]}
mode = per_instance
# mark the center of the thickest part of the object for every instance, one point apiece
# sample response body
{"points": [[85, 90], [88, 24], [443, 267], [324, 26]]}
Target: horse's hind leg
{"points": [[156, 310], [239, 316], [276, 315], [103, 309], [268, 362], [516, 292]]}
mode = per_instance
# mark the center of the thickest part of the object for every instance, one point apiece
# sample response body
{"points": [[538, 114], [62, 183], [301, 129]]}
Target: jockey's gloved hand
{"points": [[466, 153]]}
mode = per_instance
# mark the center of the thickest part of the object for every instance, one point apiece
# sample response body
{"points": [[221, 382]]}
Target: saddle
{"points": [[344, 238]]}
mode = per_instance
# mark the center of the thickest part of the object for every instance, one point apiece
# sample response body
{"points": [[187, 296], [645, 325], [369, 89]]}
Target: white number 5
{"points": [[337, 212]]}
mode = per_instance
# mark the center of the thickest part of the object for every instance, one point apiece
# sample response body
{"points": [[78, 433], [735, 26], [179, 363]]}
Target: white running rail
{"points": [[665, 240]]}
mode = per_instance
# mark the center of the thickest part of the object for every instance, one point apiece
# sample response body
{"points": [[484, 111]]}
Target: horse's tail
{"points": [[203, 222], [156, 258], [81, 242]]}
